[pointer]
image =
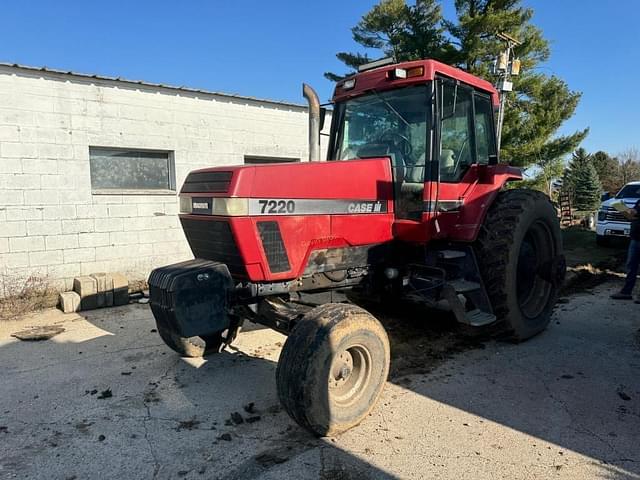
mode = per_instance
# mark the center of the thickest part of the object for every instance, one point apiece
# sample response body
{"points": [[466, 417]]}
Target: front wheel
{"points": [[333, 368], [521, 261]]}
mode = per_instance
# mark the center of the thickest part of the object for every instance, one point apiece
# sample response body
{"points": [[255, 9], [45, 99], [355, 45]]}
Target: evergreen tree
{"points": [[539, 104], [394, 29], [582, 180], [608, 170]]}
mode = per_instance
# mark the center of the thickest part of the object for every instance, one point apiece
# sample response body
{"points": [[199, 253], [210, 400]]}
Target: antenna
{"points": [[505, 67]]}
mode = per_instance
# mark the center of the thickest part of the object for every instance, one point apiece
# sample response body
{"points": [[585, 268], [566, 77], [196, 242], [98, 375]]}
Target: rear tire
{"points": [[521, 261], [192, 347], [333, 368]]}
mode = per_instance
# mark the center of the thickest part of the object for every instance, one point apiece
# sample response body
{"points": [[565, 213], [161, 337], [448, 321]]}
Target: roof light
{"points": [[415, 72], [399, 73], [404, 73], [348, 84], [375, 64]]}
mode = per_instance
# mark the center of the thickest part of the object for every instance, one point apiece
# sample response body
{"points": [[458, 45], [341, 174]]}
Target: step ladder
{"points": [[566, 213]]}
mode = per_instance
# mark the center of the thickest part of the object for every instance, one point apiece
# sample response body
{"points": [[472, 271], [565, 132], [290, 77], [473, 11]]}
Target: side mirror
{"points": [[323, 113], [605, 196]]}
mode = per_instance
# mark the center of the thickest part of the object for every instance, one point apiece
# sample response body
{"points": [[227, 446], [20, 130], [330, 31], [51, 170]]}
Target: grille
{"points": [[209, 182], [615, 216], [273, 247], [213, 240]]}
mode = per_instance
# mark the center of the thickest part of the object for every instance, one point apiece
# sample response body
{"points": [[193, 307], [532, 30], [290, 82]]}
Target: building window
{"points": [[131, 170], [257, 160]]}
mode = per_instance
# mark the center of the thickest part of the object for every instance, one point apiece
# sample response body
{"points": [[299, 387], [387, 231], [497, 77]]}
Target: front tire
{"points": [[333, 368], [521, 261]]}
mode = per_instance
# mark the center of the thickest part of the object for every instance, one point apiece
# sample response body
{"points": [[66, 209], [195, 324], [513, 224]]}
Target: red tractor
{"points": [[409, 206]]}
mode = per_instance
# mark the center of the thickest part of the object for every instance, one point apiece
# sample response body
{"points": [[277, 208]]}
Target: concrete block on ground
{"points": [[103, 282], [108, 294], [69, 302], [120, 289], [87, 288]]}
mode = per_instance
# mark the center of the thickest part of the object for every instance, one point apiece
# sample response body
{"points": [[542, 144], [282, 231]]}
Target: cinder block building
{"points": [[90, 166]]}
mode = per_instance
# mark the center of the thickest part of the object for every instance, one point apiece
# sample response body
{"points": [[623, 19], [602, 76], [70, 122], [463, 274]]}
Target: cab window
{"points": [[484, 129], [456, 110]]}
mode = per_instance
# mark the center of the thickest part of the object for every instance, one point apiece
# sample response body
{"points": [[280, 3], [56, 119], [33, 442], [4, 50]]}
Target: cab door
{"points": [[465, 148]]}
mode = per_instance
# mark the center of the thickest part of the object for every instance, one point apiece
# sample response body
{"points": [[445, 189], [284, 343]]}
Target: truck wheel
{"points": [[521, 261], [333, 368], [191, 346]]}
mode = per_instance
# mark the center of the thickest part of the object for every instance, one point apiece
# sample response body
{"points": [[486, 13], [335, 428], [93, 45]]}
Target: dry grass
{"points": [[589, 264], [19, 296]]}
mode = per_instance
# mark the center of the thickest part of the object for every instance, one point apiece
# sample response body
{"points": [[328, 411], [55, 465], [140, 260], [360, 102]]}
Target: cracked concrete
{"points": [[564, 405]]}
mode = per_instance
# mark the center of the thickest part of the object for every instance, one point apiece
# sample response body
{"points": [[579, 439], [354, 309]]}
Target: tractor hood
{"points": [[264, 221], [355, 179]]}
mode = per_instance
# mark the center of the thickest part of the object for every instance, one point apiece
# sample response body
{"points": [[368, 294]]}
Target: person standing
{"points": [[633, 255]]}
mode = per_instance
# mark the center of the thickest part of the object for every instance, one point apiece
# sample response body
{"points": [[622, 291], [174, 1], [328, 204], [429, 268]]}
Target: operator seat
{"points": [[447, 164], [372, 150], [414, 173]]}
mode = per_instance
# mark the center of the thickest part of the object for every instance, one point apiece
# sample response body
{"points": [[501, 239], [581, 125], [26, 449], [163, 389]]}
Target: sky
{"points": [[267, 49]]}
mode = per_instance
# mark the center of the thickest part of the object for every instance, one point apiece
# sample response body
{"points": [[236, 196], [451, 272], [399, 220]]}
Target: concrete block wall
{"points": [[51, 223]]}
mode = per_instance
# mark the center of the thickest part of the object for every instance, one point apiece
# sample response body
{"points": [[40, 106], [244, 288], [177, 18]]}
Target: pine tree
{"points": [[608, 170], [539, 104], [582, 180], [394, 29]]}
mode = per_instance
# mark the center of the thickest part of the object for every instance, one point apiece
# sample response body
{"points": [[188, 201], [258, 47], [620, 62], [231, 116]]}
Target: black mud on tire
{"points": [[193, 347], [521, 261], [333, 368]]}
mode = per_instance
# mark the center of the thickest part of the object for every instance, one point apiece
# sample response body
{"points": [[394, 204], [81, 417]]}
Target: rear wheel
{"points": [[521, 261], [333, 368], [191, 346]]}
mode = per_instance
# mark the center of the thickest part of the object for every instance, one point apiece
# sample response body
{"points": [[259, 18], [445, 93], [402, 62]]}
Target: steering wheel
{"points": [[398, 140]]}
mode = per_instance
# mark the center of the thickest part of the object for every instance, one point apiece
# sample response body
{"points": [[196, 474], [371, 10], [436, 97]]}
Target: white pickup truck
{"points": [[612, 223]]}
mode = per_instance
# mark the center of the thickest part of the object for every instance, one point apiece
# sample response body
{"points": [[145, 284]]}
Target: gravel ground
{"points": [[106, 399]]}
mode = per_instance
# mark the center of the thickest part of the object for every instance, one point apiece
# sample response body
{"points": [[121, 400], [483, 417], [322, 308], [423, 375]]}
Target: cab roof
{"points": [[379, 79]]}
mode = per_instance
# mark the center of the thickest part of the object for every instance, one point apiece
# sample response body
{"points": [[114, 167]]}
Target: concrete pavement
{"points": [[106, 399]]}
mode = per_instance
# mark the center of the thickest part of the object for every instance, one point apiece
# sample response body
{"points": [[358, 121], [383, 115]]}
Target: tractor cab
{"points": [[436, 125]]}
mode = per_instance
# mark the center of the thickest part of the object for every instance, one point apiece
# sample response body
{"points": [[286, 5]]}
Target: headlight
{"points": [[226, 207], [602, 215], [185, 205], [231, 207]]}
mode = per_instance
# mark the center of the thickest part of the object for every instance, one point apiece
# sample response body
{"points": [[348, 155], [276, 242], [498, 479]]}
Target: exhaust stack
{"points": [[314, 122]]}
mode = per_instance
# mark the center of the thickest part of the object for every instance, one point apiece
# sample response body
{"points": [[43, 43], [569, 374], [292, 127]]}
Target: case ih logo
{"points": [[365, 207]]}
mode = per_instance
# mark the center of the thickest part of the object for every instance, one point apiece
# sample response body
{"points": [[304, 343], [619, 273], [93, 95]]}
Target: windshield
{"points": [[629, 191], [385, 124]]}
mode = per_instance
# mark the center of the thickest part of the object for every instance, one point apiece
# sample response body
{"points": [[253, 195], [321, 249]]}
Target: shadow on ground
{"points": [[106, 398]]}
